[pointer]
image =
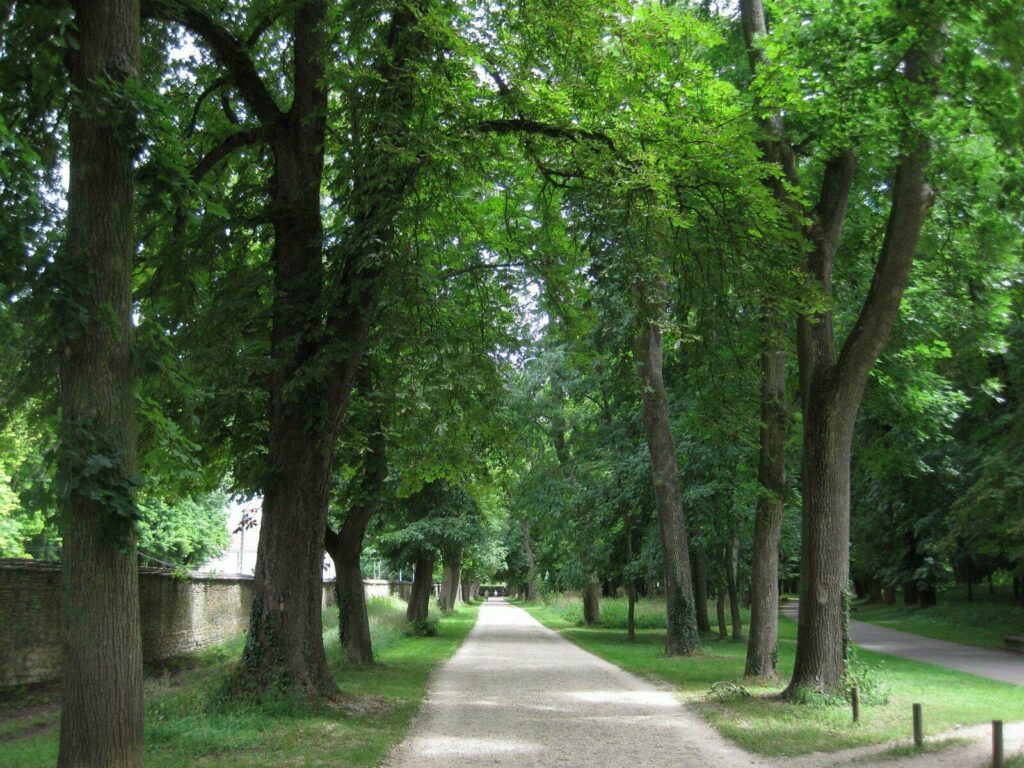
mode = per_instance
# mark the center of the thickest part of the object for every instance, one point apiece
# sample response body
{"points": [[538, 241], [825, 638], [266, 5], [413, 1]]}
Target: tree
{"points": [[832, 386], [324, 299], [102, 711]]}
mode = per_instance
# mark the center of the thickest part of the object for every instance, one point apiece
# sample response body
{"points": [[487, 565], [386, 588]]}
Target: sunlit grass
{"points": [[189, 723], [764, 723]]}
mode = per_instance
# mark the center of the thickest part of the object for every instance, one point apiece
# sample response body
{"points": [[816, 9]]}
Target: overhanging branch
{"points": [[225, 47], [225, 148], [536, 128]]}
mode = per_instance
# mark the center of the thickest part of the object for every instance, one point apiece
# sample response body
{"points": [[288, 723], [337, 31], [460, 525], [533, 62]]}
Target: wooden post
{"points": [[855, 702], [997, 744], [918, 727]]}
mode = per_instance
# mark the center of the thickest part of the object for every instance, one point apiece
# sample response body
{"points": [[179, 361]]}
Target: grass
{"points": [[984, 622], [762, 722], [189, 724]]}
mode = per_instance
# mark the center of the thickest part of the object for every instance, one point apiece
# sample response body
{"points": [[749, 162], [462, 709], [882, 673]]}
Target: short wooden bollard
{"points": [[918, 727], [997, 744], [855, 703]]}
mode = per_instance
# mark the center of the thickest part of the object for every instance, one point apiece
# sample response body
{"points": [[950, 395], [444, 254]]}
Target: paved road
{"points": [[984, 662], [518, 694]]}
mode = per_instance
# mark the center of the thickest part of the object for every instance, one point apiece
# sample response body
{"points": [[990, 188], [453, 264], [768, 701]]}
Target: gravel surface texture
{"points": [[519, 694]]}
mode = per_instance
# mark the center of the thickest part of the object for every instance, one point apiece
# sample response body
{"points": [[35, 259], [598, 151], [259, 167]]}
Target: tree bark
{"points": [[723, 630], [451, 583], [700, 582], [422, 587], [531, 575], [732, 555], [346, 549], [682, 636], [630, 580], [102, 708], [592, 601], [763, 647]]}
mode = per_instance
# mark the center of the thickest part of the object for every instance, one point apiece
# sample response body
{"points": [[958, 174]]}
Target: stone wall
{"points": [[179, 615]]}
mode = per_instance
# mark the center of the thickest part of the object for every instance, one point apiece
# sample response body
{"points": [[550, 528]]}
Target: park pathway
{"points": [[519, 694], [984, 662]]}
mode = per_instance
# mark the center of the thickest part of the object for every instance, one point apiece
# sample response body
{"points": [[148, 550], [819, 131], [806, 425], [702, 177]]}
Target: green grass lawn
{"points": [[984, 622], [765, 724], [189, 724]]}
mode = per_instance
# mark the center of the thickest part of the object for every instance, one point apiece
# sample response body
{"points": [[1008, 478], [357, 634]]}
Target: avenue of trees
{"points": [[686, 299]]}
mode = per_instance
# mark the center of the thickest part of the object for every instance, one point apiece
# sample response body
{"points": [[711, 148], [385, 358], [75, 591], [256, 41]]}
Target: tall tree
{"points": [[101, 716], [324, 298], [832, 385]]}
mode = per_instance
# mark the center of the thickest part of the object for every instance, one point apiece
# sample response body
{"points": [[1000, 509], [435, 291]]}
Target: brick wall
{"points": [[179, 616]]}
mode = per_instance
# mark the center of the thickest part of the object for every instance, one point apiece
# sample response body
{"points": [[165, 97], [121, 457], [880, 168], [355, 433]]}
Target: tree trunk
{"points": [[102, 713], [346, 549], [723, 631], [889, 595], [451, 574], [422, 587], [927, 596], [700, 587], [630, 580], [531, 576], [831, 389], [909, 593], [991, 586], [682, 636], [732, 553], [763, 647], [824, 561], [592, 601]]}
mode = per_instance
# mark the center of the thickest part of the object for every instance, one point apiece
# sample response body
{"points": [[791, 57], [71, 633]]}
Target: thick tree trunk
{"points": [[732, 555], [592, 601], [824, 561], [422, 587], [763, 647], [102, 708], [700, 588], [682, 636]]}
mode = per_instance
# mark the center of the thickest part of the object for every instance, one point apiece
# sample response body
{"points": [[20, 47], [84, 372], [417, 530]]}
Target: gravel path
{"points": [[983, 662], [519, 694]]}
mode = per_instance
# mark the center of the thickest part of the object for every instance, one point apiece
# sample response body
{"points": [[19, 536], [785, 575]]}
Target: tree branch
{"points": [[536, 128], [226, 49], [220, 81], [911, 200], [225, 148]]}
